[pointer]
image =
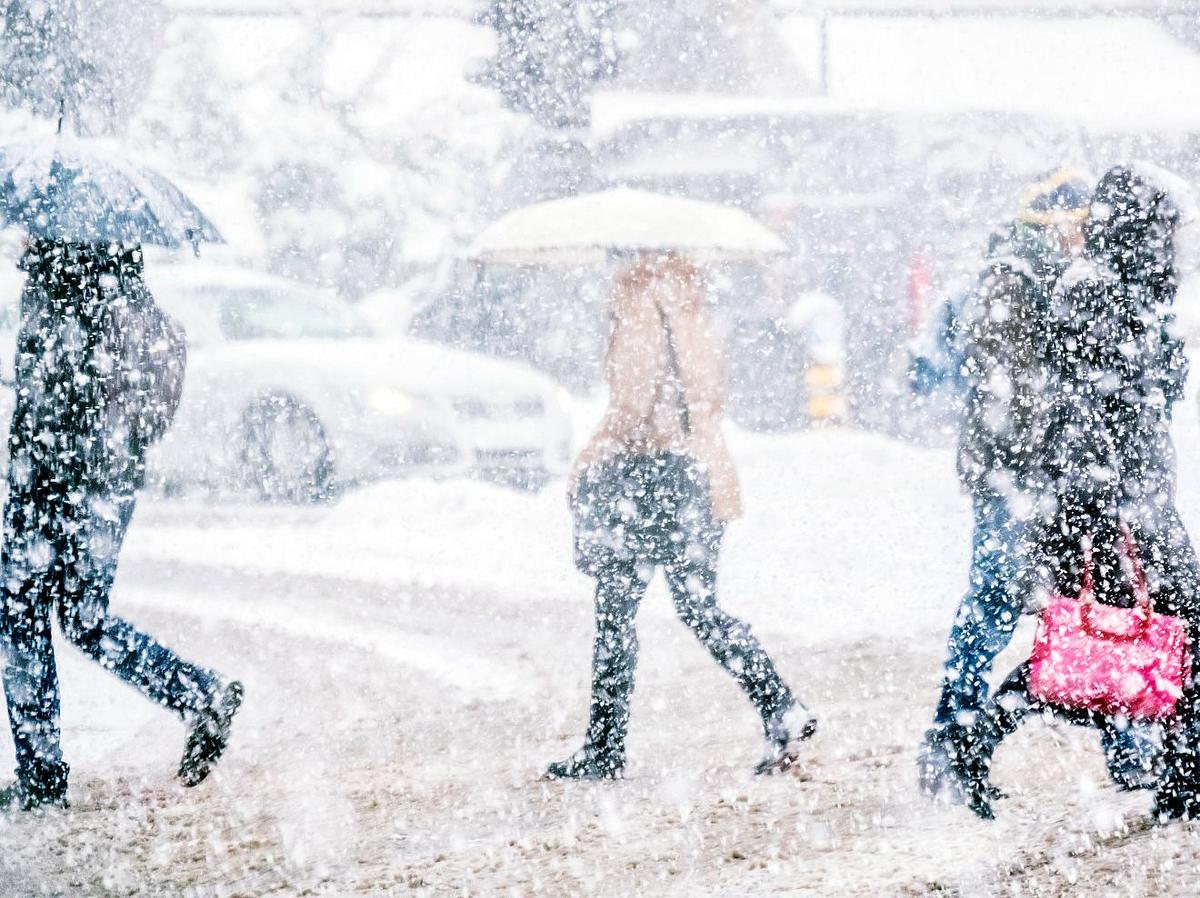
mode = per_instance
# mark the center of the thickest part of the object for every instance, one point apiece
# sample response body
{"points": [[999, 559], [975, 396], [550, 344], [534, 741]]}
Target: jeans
{"points": [[60, 558], [988, 615]]}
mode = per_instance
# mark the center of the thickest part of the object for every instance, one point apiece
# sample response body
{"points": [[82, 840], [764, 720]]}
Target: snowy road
{"points": [[416, 653]]}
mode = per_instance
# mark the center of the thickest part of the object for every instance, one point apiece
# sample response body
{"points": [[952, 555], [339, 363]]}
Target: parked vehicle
{"points": [[290, 395]]}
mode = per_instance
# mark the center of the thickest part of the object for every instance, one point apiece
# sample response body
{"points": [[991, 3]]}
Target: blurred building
{"points": [[930, 125]]}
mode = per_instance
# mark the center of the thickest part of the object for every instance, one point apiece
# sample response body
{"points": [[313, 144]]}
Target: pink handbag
{"points": [[1097, 657]]}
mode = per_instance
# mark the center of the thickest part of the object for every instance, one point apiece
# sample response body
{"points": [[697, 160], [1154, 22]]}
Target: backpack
{"points": [[148, 349], [164, 366]]}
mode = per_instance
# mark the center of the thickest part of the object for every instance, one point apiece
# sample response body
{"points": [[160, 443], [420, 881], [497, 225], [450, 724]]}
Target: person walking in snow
{"points": [[1000, 336], [99, 373], [655, 487], [1116, 369]]}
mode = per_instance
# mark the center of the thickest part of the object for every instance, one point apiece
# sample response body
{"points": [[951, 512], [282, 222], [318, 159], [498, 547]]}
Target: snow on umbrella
{"points": [[86, 193], [586, 228]]}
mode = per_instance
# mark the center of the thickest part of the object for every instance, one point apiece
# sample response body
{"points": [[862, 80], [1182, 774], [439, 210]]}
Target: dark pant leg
{"points": [[620, 586], [987, 616], [90, 566], [1173, 576], [692, 577], [31, 579], [1000, 717], [1012, 704]]}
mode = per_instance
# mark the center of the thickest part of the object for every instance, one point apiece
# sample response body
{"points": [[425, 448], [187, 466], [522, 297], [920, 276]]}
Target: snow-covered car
{"points": [[288, 393]]}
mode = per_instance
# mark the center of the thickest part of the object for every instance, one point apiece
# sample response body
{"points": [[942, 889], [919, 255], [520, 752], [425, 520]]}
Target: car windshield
{"points": [[264, 314], [213, 314]]}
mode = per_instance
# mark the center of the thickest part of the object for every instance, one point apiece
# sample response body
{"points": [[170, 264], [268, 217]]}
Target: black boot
{"points": [[588, 764], [1173, 803], [208, 733], [786, 733], [43, 788], [603, 754], [954, 765], [936, 777], [1178, 793], [972, 768]]}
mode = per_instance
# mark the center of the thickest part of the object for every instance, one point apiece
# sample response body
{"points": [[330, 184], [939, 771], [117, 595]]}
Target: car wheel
{"points": [[285, 453]]}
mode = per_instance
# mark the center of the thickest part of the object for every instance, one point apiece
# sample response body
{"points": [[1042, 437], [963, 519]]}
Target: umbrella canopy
{"points": [[85, 193], [586, 228]]}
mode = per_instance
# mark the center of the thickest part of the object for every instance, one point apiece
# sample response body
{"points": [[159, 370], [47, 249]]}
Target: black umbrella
{"points": [[81, 192]]}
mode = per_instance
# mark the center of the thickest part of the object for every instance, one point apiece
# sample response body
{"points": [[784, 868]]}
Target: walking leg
{"points": [[692, 578], [30, 677], [987, 617], [205, 701], [971, 760], [114, 643], [620, 586], [983, 627], [1173, 576]]}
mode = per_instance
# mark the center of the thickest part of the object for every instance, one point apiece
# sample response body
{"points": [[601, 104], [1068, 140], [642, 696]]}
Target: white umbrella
{"points": [[584, 229]]}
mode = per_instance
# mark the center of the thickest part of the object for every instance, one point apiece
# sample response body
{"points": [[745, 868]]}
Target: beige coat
{"points": [[643, 409]]}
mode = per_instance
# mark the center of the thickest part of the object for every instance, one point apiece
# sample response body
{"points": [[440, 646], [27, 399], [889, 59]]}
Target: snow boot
{"points": [[208, 733], [45, 788], [953, 766], [935, 774], [1172, 803], [18, 797], [1178, 793], [588, 764], [785, 733]]}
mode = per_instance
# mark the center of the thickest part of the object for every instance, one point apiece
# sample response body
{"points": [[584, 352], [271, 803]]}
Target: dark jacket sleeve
{"points": [[1001, 365]]}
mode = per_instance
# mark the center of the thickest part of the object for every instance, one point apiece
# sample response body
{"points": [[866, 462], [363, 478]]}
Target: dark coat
{"points": [[1001, 336], [1116, 369], [96, 359]]}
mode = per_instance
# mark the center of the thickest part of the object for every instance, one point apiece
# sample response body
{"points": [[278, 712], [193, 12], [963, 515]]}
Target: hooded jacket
{"points": [[1001, 335], [1116, 368]]}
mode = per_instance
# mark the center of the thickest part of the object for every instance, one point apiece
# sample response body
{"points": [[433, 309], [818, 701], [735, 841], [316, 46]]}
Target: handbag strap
{"points": [[1129, 552], [685, 418], [1141, 590], [1088, 591]]}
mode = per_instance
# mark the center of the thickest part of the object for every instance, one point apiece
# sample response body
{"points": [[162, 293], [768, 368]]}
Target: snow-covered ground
{"points": [[414, 655]]}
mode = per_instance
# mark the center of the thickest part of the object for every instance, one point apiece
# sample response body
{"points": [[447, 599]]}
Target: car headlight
{"points": [[393, 403]]}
